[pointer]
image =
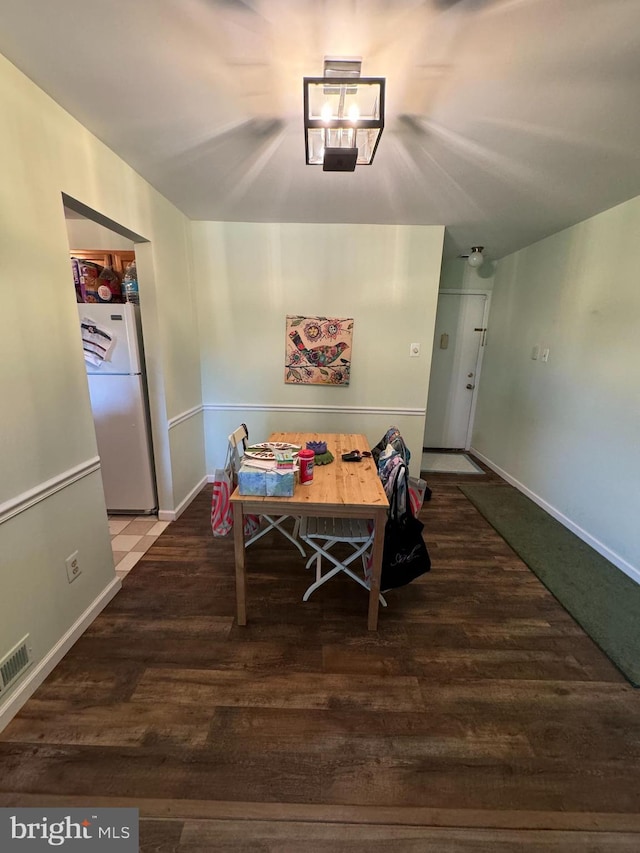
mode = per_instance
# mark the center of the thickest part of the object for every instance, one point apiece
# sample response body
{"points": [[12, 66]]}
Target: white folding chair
{"points": [[237, 444], [321, 534]]}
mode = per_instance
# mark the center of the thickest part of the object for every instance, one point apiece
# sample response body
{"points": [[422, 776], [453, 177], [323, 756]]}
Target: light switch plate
{"points": [[545, 354], [535, 353], [414, 350]]}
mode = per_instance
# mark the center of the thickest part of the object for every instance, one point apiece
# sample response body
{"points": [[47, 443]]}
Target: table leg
{"points": [[376, 568], [241, 575]]}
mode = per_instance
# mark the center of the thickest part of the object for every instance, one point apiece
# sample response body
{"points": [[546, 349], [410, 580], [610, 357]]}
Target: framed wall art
{"points": [[318, 350]]}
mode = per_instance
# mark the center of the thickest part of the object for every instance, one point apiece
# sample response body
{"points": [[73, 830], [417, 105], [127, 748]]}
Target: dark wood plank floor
{"points": [[480, 717]]}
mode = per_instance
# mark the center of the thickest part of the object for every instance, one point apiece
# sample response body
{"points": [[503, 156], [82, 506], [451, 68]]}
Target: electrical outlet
{"points": [[414, 350], [73, 566]]}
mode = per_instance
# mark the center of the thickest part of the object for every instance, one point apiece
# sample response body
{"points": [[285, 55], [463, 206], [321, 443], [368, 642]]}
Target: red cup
{"points": [[306, 458]]}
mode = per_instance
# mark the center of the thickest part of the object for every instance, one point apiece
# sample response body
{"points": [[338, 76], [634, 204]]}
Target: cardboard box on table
{"points": [[272, 483]]}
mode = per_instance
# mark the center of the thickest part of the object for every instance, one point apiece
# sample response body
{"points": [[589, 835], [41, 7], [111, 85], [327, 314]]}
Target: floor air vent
{"points": [[14, 664]]}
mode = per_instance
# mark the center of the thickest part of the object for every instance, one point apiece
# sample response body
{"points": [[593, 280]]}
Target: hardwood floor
{"points": [[479, 717]]}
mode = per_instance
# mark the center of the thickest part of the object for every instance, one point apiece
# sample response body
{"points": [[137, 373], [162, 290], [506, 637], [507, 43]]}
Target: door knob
{"points": [[470, 386]]}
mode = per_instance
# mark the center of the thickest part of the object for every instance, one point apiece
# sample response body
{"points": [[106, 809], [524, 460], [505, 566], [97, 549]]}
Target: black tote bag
{"points": [[405, 556]]}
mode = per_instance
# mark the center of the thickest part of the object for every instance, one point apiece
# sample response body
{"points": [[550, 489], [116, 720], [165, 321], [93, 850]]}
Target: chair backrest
{"points": [[394, 475], [239, 436], [237, 445], [391, 437]]}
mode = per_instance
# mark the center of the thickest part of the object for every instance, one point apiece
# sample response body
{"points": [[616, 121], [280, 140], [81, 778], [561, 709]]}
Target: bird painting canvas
{"points": [[318, 350]]}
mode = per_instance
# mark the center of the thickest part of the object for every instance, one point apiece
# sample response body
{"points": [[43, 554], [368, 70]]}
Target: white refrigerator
{"points": [[114, 358]]}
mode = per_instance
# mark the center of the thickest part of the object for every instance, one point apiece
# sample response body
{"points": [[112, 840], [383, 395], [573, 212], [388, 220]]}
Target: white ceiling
{"points": [[507, 120]]}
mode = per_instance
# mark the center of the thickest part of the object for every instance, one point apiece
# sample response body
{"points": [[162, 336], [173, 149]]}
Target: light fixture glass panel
{"points": [[316, 137], [321, 138], [366, 140], [344, 100]]}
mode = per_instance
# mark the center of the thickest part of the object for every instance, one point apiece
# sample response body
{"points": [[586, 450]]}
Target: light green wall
{"points": [[456, 274], [36, 596], [46, 423], [84, 234], [250, 276], [568, 431]]}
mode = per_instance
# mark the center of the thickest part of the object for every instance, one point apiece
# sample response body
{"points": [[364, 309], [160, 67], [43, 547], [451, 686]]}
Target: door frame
{"points": [[481, 348], [155, 383]]}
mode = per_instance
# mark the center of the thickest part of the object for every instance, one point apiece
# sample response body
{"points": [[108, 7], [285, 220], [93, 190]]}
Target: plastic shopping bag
{"points": [[419, 492], [224, 482], [221, 511]]}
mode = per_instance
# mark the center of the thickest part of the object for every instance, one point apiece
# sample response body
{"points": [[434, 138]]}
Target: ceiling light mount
{"points": [[475, 258], [343, 115]]}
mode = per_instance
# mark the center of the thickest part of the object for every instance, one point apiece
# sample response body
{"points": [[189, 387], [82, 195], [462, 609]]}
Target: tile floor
{"points": [[131, 536]]}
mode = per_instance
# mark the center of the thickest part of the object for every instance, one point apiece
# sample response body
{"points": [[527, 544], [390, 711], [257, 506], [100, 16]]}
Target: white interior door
{"points": [[459, 334]]}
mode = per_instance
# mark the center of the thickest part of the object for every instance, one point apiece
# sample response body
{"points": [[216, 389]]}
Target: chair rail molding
{"points": [[20, 503], [294, 407], [184, 416]]}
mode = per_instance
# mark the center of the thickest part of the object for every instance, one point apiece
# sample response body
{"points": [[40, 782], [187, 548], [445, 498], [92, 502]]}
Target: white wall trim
{"points": [[171, 515], [598, 546], [37, 674], [184, 416], [14, 506], [290, 407], [461, 291]]}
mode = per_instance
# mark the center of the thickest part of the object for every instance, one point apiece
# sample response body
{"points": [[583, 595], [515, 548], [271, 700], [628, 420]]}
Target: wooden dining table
{"points": [[342, 489]]}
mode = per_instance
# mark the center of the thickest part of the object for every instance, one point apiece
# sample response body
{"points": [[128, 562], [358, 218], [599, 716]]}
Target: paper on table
{"points": [[262, 464], [266, 465]]}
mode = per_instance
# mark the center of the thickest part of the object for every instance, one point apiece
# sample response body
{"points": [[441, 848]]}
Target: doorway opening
{"points": [[103, 274]]}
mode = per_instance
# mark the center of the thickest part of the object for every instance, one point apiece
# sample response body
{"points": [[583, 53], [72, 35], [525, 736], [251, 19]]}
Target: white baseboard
{"points": [[171, 515], [37, 675], [607, 553]]}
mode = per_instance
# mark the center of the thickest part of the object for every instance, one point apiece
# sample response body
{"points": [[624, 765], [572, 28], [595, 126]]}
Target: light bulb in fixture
{"points": [[354, 113], [476, 258], [326, 113]]}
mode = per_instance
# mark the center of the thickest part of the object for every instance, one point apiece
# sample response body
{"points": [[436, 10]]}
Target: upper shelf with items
{"points": [[117, 260], [99, 275]]}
